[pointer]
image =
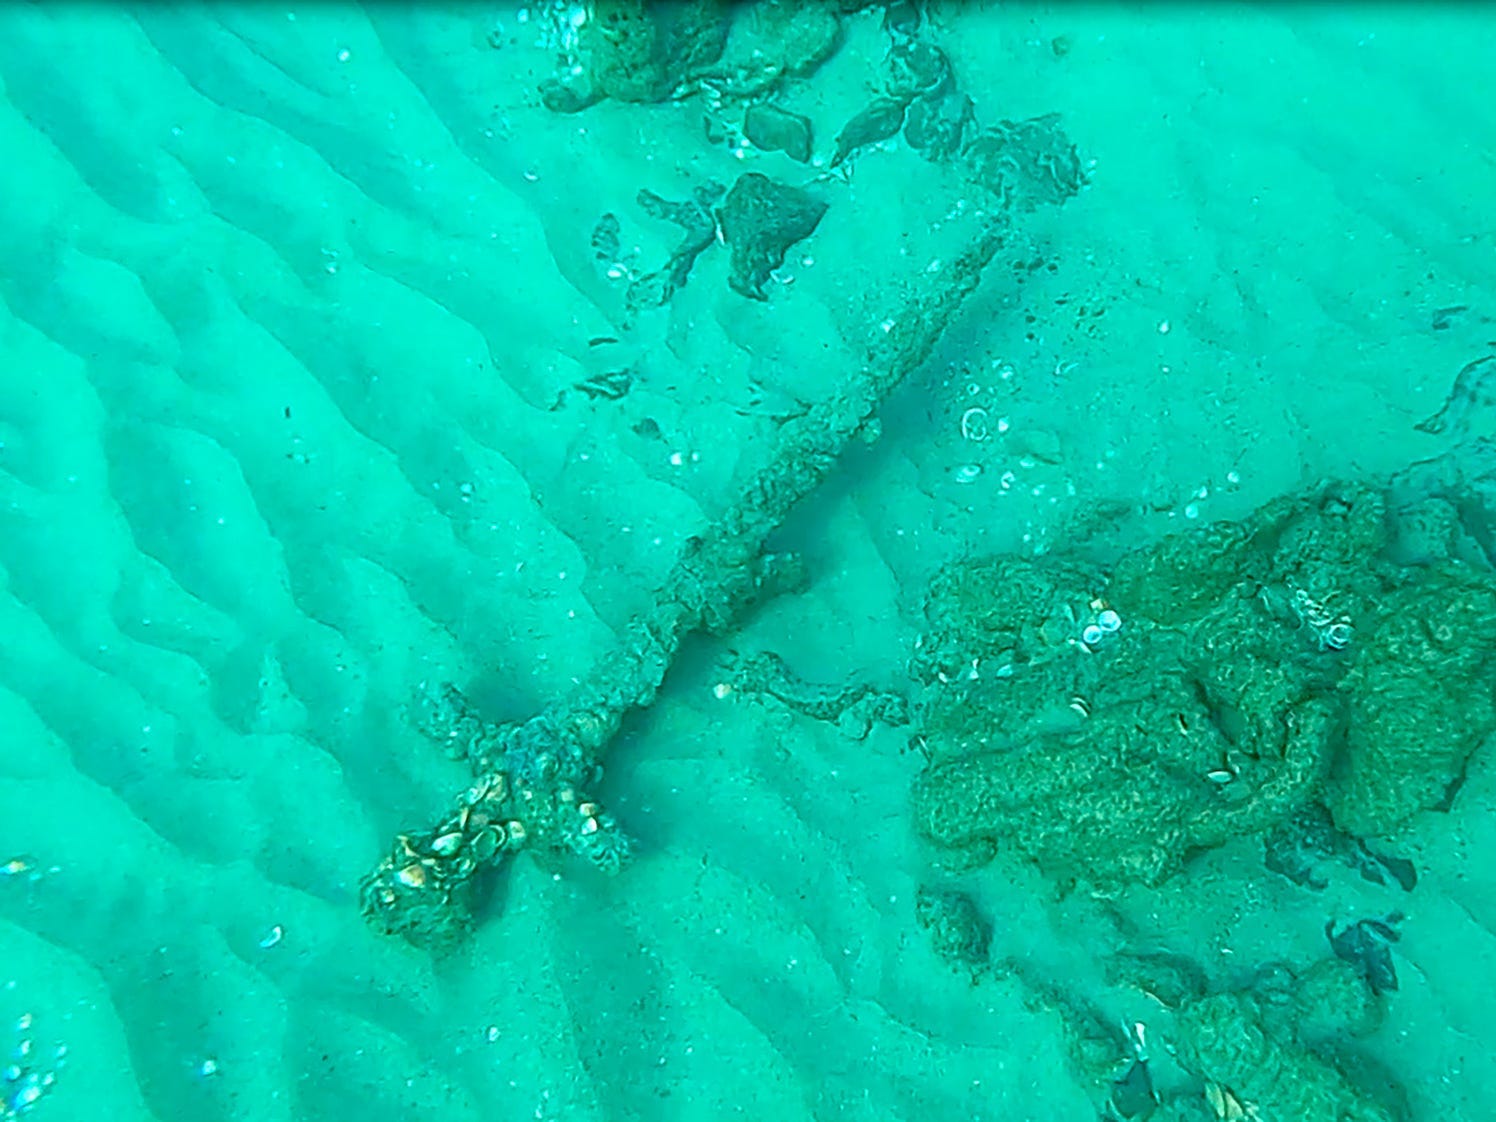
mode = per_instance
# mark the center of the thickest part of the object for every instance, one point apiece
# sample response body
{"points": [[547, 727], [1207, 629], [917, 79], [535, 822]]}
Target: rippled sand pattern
{"points": [[288, 304]]}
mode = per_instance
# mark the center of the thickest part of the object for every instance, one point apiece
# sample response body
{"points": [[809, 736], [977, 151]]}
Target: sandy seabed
{"points": [[288, 302]]}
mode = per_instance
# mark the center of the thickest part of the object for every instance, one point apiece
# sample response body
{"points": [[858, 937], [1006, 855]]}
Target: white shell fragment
{"points": [[974, 424]]}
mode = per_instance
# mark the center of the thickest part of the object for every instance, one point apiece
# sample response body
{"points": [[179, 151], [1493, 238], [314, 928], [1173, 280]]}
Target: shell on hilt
{"points": [[488, 843]]}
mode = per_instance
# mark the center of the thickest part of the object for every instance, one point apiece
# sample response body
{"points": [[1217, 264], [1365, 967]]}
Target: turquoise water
{"points": [[296, 308]]}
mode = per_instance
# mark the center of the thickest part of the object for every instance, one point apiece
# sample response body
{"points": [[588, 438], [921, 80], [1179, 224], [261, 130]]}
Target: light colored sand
{"points": [[281, 332]]}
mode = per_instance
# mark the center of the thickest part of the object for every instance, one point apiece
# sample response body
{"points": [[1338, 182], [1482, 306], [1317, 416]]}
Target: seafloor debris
{"points": [[28, 1076], [1367, 945], [1211, 716]]}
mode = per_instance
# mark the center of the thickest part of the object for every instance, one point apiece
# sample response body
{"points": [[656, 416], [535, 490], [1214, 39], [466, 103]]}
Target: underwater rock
{"points": [[699, 230], [1225, 702], [1420, 704], [936, 126], [958, 932], [1302, 848], [1025, 164], [760, 219], [778, 130], [1254, 1068], [638, 51], [881, 119], [1367, 946]]}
